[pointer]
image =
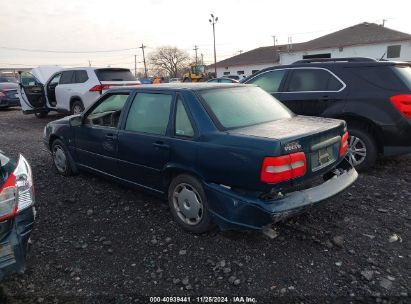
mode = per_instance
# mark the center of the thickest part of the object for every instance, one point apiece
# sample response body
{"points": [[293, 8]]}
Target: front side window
{"points": [[269, 81], [107, 113], [243, 106], [183, 125], [28, 79], [313, 80], [55, 80], [149, 113], [67, 77]]}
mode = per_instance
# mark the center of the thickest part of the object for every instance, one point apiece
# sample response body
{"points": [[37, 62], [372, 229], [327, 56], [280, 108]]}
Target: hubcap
{"points": [[59, 158], [357, 151], [187, 204], [77, 109]]}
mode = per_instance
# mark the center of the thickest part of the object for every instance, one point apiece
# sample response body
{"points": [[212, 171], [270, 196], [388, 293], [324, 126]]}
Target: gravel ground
{"points": [[97, 241]]}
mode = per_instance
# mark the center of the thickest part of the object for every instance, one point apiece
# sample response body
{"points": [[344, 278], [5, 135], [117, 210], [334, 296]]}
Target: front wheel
{"points": [[41, 114], [362, 149], [61, 158], [188, 204]]}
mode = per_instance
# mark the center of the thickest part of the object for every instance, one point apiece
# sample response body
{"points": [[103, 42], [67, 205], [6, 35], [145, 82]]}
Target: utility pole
{"points": [[202, 58], [274, 53], [144, 59], [89, 63], [383, 22], [195, 49], [135, 66], [213, 21], [240, 52]]}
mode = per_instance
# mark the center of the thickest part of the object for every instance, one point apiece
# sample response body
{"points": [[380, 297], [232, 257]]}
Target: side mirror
{"points": [[76, 121]]}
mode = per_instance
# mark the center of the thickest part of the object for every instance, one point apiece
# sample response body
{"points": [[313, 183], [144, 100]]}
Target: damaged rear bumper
{"points": [[232, 210], [15, 234]]}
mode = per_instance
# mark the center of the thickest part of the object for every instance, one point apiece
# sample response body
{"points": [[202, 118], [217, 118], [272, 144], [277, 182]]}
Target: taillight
{"points": [[100, 87], [344, 144], [402, 103], [282, 168], [17, 193]]}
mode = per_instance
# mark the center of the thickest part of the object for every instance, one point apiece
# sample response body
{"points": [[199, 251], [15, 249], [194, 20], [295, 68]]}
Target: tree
{"points": [[169, 60]]}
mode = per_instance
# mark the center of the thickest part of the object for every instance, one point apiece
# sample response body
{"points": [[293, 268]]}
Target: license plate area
{"points": [[322, 157]]}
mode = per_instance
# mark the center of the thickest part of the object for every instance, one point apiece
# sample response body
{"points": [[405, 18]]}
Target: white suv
{"points": [[53, 88]]}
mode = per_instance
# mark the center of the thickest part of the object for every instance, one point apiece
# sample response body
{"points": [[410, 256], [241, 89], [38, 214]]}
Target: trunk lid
{"points": [[319, 139], [115, 77]]}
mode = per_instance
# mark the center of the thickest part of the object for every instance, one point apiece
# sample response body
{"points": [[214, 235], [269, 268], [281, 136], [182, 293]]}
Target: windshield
{"points": [[404, 72], [243, 106], [198, 69]]}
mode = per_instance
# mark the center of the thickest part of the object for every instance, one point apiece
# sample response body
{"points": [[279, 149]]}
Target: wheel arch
{"points": [[367, 125], [75, 98], [174, 170]]}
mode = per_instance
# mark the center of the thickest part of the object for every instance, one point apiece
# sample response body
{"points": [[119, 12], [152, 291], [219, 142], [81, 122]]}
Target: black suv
{"points": [[373, 97]]}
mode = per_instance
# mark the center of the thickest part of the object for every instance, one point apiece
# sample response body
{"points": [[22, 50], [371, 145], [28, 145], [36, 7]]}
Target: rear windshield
{"points": [[404, 72], [114, 75], [8, 79], [243, 106]]}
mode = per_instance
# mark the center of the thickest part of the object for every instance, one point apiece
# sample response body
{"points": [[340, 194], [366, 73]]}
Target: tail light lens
{"points": [[106, 86], [282, 168], [344, 144], [17, 193], [402, 103]]}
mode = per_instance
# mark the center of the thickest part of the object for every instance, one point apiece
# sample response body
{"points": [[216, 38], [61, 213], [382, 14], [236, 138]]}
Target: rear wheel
{"points": [[362, 148], [188, 204], [61, 158], [77, 107]]}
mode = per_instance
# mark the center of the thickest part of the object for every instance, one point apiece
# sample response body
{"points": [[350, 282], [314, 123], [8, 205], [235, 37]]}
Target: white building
{"points": [[361, 40]]}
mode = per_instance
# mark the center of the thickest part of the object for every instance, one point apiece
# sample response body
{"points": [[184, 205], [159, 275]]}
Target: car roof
{"points": [[179, 86]]}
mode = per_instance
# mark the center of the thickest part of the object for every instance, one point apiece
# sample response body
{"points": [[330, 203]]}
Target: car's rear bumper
{"points": [[232, 210], [14, 242], [396, 139]]}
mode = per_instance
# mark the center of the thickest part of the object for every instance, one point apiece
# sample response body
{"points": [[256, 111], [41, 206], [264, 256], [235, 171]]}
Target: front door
{"points": [[31, 94], [97, 137], [143, 141]]}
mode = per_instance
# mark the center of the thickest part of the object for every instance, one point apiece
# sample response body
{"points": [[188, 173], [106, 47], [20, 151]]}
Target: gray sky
{"points": [[100, 25]]}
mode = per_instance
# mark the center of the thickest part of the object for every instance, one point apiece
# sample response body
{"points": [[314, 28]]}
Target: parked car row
{"points": [[373, 97]]}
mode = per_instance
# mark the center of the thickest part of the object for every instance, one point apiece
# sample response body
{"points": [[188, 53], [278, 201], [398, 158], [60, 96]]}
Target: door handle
{"points": [[110, 136], [161, 145]]}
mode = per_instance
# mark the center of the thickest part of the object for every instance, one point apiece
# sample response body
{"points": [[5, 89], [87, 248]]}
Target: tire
{"points": [[77, 107], [362, 148], [187, 200], [61, 158], [42, 114]]}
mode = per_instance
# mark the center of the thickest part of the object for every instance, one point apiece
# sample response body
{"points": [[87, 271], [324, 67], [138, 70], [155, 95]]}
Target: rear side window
{"points": [[312, 80], [149, 113], [114, 75], [269, 81], [67, 77], [81, 76], [183, 124], [404, 72]]}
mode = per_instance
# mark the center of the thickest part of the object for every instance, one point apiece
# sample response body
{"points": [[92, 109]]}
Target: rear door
{"points": [[31, 94], [143, 141], [271, 81], [113, 77], [311, 91], [64, 90]]}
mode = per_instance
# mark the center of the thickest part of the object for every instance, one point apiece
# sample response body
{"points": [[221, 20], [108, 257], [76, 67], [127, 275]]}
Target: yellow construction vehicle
{"points": [[197, 73]]}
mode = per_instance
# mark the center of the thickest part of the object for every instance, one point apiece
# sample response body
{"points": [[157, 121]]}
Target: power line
{"points": [[64, 52]]}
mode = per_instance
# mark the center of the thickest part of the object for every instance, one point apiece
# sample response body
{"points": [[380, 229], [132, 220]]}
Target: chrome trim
{"points": [[326, 143], [306, 68]]}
